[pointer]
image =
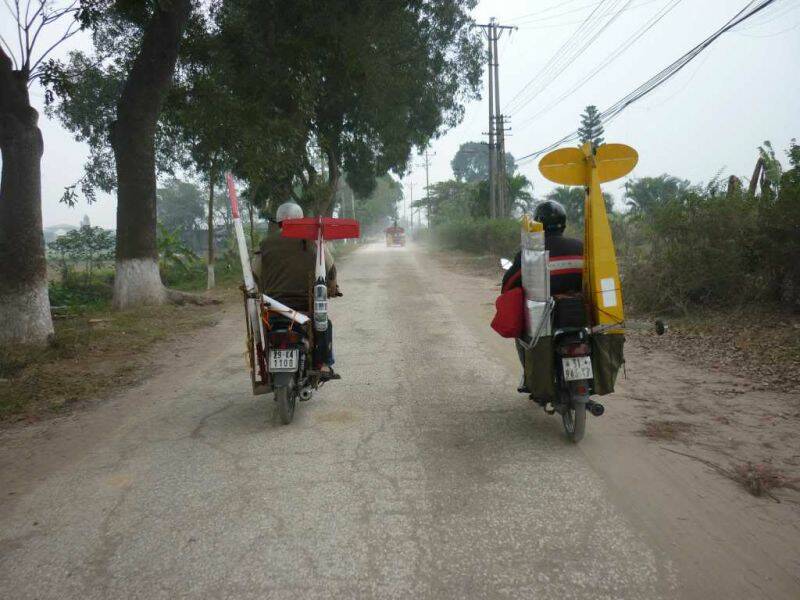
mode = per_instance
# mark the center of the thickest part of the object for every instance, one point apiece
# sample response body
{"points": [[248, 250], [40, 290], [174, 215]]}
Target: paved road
{"points": [[420, 475]]}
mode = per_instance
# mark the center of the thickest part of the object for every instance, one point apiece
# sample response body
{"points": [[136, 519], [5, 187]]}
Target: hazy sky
{"points": [[709, 118]]}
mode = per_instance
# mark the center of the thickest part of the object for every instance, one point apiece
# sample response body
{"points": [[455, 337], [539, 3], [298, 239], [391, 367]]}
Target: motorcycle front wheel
{"points": [[574, 419], [286, 399]]}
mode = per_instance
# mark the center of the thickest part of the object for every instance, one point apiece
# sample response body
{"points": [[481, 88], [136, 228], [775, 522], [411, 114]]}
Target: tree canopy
{"points": [[471, 162], [591, 129], [358, 81]]}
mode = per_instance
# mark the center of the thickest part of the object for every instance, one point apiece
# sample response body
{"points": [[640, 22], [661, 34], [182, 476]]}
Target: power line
{"points": [[569, 51], [662, 76], [537, 16], [616, 53], [544, 10], [553, 58]]}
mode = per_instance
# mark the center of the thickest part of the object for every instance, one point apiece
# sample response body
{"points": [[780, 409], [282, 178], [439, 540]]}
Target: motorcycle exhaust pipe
{"points": [[305, 394], [595, 408]]}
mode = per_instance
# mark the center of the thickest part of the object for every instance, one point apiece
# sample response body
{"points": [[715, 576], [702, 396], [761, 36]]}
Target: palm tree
{"points": [[646, 193]]}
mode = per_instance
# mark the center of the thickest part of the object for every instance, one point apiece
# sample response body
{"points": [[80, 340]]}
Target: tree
{"points": [[573, 199], [91, 245], [181, 207], [137, 280], [380, 206], [173, 253], [453, 200], [518, 192], [372, 107], [113, 100], [24, 304], [471, 162], [591, 129], [644, 194]]}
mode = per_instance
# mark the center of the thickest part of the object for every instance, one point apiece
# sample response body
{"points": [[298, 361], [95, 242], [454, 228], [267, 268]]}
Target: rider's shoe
{"points": [[327, 374], [522, 388]]}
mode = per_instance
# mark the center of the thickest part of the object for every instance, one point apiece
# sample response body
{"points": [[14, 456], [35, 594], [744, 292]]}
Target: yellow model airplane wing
{"points": [[588, 167], [615, 161], [566, 166]]}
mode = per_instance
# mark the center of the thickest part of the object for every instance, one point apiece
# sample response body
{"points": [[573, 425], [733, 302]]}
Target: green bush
{"points": [[80, 295], [479, 236], [715, 247]]}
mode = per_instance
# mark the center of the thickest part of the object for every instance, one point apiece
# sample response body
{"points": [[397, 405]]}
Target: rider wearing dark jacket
{"points": [[566, 254], [565, 262]]}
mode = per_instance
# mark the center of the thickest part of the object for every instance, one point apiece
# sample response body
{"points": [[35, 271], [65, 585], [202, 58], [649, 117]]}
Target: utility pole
{"points": [[411, 201], [497, 178], [492, 157], [500, 172], [411, 193], [427, 165]]}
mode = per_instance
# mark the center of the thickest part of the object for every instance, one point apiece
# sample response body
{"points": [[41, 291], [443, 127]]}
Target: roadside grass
{"points": [[94, 351], [761, 478], [759, 342], [667, 431]]}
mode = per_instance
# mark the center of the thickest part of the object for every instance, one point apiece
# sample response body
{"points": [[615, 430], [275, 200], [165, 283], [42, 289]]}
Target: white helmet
{"points": [[289, 210]]}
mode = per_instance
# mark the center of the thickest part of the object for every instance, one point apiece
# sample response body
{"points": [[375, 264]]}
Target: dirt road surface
{"points": [[422, 474]]}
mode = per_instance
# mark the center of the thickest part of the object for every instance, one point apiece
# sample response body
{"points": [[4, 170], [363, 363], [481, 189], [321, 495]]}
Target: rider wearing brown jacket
{"points": [[286, 273]]}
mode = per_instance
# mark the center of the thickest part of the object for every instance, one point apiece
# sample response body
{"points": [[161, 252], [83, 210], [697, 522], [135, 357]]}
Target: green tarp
{"points": [[607, 358]]}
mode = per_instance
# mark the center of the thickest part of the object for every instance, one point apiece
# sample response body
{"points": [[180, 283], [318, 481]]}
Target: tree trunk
{"points": [[210, 262], [327, 205], [757, 175], [137, 281], [24, 303], [252, 226]]}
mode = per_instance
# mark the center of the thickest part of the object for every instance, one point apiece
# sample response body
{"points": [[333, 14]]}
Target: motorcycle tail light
{"points": [[581, 349], [284, 339]]}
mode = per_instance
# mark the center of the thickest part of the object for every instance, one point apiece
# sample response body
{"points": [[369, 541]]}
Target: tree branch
{"points": [[33, 74], [8, 53], [19, 34]]}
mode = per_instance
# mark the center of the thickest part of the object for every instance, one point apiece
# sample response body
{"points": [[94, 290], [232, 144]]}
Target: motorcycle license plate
{"points": [[284, 360], [577, 368]]}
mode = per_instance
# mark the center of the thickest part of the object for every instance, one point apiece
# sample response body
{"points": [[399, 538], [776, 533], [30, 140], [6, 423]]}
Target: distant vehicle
{"points": [[395, 236]]}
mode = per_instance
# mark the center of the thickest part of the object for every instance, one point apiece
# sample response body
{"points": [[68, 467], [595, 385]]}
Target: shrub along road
{"points": [[421, 474]]}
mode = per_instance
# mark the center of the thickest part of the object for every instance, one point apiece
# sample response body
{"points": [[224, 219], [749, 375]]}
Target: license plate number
{"points": [[577, 368], [284, 360]]}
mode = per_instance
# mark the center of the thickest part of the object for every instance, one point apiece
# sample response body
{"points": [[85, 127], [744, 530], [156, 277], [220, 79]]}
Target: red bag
{"points": [[509, 320]]}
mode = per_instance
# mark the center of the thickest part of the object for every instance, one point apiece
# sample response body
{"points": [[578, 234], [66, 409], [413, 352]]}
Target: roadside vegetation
{"points": [[720, 260], [682, 247], [168, 97]]}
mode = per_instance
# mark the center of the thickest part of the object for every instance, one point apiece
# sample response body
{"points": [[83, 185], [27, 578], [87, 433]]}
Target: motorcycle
{"points": [[280, 339], [573, 377], [289, 355]]}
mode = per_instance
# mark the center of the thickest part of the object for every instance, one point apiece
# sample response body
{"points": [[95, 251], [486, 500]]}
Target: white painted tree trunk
{"points": [[25, 315], [211, 283], [137, 282]]}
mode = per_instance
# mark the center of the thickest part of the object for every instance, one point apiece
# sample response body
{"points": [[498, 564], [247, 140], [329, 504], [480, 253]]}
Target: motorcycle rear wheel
{"points": [[574, 420], [286, 398]]}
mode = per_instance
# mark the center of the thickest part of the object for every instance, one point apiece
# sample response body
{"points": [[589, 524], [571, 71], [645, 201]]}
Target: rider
{"points": [[565, 263], [287, 271]]}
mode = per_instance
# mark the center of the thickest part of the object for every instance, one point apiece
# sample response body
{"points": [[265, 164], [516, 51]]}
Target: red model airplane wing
{"points": [[332, 229]]}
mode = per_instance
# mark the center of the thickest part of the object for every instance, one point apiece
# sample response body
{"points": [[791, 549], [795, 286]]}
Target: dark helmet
{"points": [[552, 215]]}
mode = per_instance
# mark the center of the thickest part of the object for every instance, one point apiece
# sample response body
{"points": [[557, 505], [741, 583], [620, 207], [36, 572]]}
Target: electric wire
{"points": [[543, 11], [661, 77], [575, 55], [556, 16], [563, 53], [616, 53]]}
